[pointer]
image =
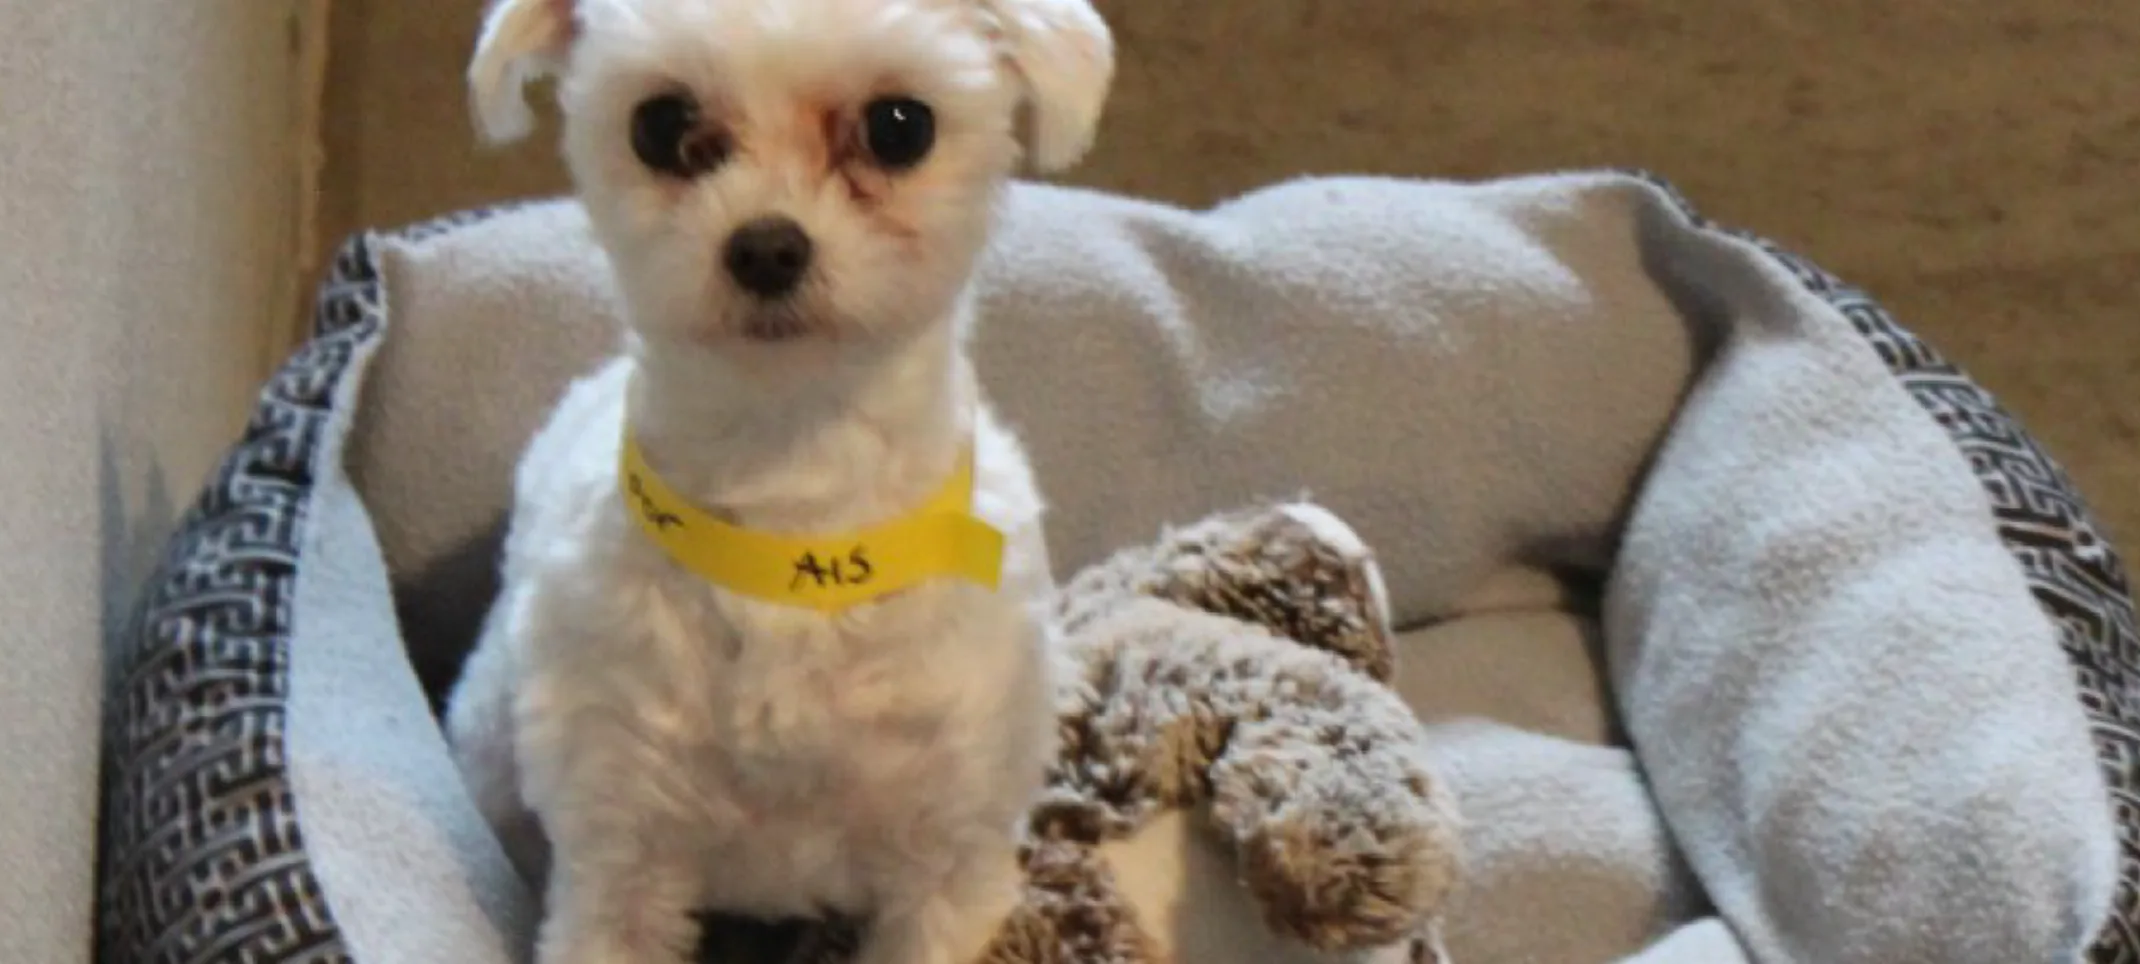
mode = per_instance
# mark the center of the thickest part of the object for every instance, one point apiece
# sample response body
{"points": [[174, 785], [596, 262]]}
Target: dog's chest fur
{"points": [[822, 745], [810, 760]]}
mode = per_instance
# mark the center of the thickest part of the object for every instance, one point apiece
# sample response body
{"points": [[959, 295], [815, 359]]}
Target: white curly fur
{"points": [[651, 744]]}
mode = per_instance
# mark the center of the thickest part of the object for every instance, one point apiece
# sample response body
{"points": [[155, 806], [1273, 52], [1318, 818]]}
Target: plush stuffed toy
{"points": [[1237, 668]]}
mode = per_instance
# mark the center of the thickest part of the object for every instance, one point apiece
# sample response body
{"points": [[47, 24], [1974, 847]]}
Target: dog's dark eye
{"points": [[669, 140], [898, 131]]}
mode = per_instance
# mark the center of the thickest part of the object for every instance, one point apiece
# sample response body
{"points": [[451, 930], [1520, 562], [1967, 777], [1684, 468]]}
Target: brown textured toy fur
{"points": [[1236, 667]]}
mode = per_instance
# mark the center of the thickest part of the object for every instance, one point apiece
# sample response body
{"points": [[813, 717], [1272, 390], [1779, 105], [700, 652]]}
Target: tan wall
{"points": [[1974, 162], [148, 242]]}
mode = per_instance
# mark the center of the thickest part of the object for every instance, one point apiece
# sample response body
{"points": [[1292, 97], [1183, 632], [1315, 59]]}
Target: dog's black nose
{"points": [[768, 256]]}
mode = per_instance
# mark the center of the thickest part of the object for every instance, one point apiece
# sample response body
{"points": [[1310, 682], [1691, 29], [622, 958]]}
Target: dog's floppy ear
{"points": [[521, 41], [1066, 58]]}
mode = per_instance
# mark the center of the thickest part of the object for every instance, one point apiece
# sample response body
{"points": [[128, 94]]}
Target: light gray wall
{"points": [[148, 233]]}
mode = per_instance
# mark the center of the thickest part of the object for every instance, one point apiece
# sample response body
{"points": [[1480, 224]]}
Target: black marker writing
{"points": [[853, 570], [654, 513]]}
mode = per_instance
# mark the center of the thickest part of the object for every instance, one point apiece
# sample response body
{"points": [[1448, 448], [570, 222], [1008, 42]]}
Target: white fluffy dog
{"points": [[793, 195]]}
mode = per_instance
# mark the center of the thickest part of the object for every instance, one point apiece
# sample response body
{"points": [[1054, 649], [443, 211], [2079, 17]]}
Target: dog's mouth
{"points": [[783, 323], [773, 329]]}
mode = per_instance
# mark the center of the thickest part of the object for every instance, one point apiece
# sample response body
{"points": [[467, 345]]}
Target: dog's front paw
{"points": [[608, 948], [602, 923], [902, 941], [956, 926]]}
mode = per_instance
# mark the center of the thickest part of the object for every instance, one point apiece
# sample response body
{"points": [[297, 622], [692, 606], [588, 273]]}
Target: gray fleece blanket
{"points": [[1719, 647]]}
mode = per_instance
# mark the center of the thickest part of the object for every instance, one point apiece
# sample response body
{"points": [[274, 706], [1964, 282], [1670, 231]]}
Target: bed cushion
{"points": [[1623, 468]]}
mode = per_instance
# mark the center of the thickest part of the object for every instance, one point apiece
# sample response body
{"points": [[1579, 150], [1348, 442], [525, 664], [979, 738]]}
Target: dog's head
{"points": [[770, 172]]}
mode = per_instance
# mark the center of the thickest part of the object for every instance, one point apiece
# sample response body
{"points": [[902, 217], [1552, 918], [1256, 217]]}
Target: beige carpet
{"points": [[1975, 163]]}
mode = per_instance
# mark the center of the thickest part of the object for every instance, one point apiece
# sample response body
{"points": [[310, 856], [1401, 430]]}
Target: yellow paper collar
{"points": [[941, 538]]}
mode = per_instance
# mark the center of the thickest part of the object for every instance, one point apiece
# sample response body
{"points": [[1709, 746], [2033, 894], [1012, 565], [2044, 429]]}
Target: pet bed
{"points": [[1741, 625]]}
